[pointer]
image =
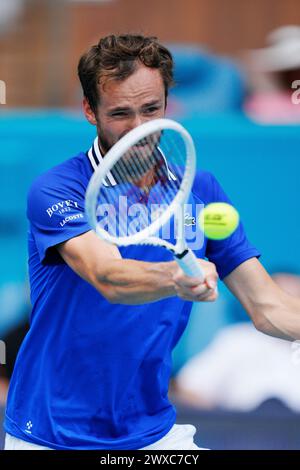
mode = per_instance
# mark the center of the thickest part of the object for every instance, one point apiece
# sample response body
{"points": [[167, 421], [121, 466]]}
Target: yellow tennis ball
{"points": [[218, 220]]}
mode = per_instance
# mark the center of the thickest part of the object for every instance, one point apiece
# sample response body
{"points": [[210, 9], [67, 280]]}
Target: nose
{"points": [[137, 120]]}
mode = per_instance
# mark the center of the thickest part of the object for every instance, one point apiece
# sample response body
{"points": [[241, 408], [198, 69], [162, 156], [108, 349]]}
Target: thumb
{"points": [[211, 282]]}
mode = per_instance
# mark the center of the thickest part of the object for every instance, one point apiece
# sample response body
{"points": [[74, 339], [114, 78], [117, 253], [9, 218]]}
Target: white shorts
{"points": [[180, 437]]}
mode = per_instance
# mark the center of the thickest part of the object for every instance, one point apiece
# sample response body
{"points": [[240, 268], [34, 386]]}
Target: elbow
{"points": [[106, 288], [264, 325], [110, 294], [114, 298], [117, 296], [258, 319], [260, 314], [260, 325]]}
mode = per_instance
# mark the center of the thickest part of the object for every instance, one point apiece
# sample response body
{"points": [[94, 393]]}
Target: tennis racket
{"points": [[140, 189]]}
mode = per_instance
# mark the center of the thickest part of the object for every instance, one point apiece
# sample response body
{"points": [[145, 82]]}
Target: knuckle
{"points": [[200, 290], [208, 296], [213, 297]]}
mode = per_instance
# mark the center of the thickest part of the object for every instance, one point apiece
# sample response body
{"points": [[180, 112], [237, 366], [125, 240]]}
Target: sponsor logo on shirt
{"points": [[61, 207], [69, 218], [28, 427], [189, 219]]}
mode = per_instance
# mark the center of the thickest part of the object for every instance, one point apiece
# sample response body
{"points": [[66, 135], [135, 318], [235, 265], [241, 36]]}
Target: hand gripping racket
{"points": [[141, 186]]}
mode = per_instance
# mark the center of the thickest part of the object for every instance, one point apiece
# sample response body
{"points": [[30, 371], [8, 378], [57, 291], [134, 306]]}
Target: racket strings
{"points": [[131, 167], [144, 178]]}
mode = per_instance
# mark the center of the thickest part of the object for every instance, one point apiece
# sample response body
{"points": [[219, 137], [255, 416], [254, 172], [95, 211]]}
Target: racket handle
{"points": [[189, 264]]}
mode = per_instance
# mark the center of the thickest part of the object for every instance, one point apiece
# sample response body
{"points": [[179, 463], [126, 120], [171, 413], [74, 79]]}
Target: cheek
{"points": [[111, 131]]}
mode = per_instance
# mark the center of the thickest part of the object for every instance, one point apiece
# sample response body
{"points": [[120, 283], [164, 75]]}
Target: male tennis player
{"points": [[93, 371]]}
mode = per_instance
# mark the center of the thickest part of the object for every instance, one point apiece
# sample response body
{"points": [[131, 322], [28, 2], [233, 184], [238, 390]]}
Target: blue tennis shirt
{"points": [[90, 374]]}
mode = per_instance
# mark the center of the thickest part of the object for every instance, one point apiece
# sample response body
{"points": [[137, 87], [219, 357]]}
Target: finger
{"points": [[187, 281], [192, 292], [210, 296], [201, 289], [211, 281]]}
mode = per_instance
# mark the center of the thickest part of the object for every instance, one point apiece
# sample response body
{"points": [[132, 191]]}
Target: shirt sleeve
{"points": [[229, 253], [55, 209]]}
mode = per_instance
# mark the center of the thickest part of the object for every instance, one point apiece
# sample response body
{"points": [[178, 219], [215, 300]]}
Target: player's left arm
{"points": [[272, 311]]}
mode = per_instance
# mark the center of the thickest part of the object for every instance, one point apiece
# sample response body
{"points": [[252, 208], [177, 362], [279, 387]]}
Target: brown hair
{"points": [[116, 57]]}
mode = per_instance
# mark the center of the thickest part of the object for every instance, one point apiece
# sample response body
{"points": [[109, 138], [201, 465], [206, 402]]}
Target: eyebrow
{"points": [[118, 109], [123, 109], [151, 103]]}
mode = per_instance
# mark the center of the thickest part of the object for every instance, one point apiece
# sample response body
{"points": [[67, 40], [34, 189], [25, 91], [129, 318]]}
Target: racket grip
{"points": [[189, 264]]}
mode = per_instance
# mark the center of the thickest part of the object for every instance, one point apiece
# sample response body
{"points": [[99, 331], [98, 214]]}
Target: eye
{"points": [[119, 114], [151, 109]]}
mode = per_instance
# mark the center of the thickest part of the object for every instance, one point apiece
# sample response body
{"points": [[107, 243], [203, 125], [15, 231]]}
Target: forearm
{"points": [[269, 311], [268, 316], [283, 318], [135, 282], [272, 311], [132, 282]]}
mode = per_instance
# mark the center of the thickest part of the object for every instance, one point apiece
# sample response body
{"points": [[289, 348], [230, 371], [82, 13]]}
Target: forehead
{"points": [[145, 84]]}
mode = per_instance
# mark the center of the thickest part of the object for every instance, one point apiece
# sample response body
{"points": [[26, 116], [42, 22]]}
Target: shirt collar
{"points": [[95, 157]]}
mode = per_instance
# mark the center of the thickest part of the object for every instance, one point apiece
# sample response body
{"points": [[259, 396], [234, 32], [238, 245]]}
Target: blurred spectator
{"points": [[3, 389], [9, 12], [275, 77], [14, 301], [15, 308], [242, 368], [13, 341], [205, 83]]}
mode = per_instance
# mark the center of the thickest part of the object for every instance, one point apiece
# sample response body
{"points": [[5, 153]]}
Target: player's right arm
{"points": [[129, 281]]}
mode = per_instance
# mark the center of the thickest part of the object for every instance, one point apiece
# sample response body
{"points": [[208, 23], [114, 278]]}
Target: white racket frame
{"points": [[183, 255]]}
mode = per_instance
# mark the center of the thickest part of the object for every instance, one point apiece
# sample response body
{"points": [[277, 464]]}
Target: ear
{"points": [[88, 112]]}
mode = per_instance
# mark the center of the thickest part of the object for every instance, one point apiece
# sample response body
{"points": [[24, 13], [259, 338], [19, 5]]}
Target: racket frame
{"points": [[184, 256]]}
